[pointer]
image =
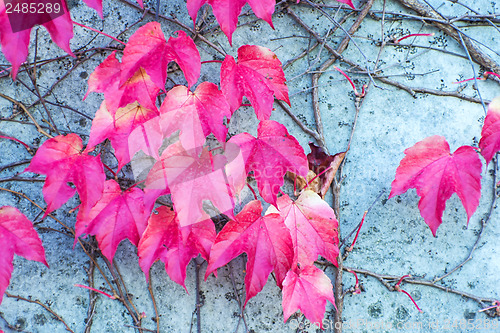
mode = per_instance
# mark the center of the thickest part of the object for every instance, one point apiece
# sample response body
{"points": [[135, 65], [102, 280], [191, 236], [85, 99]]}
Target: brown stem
{"points": [[157, 317], [477, 55], [21, 105], [43, 306]]}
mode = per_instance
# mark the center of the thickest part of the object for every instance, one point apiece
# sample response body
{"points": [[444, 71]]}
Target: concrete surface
{"points": [[394, 239]]}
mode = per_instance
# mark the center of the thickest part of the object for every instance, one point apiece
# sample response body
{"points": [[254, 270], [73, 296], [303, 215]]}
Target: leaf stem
{"points": [[28, 148], [349, 249], [96, 290], [100, 32], [209, 61], [411, 298], [411, 35], [251, 189], [348, 79], [322, 172]]}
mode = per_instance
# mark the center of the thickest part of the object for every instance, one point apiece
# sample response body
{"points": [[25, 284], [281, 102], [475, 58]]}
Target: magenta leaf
{"points": [[436, 174]]}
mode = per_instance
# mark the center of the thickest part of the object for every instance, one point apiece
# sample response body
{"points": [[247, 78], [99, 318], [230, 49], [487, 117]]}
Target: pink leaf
{"points": [[313, 227], [196, 114], [116, 216], [15, 44], [490, 134], [165, 239], [106, 79], [307, 290], [95, 4], [117, 127], [258, 76], [436, 174], [266, 241], [227, 11], [187, 175], [17, 236], [270, 156], [61, 159], [148, 49]]}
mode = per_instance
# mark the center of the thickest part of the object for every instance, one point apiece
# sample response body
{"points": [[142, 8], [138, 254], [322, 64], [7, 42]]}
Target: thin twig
{"points": [[43, 306]]}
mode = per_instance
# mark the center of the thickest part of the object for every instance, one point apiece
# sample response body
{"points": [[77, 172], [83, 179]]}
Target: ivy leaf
{"points": [[106, 79], [313, 227], [148, 49], [61, 160], [490, 134], [307, 290], [165, 239], [196, 114], [17, 236], [186, 175], [270, 156], [436, 174], [116, 216], [117, 127], [227, 11], [265, 240], [15, 44], [257, 75]]}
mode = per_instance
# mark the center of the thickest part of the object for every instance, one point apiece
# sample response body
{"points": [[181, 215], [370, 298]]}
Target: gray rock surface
{"points": [[394, 239]]}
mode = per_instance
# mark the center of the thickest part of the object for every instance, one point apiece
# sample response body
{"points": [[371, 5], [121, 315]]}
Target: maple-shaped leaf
{"points": [[313, 227], [116, 216], [307, 290], [196, 114], [490, 134], [165, 239], [17, 236], [106, 79], [15, 45], [117, 127], [97, 5], [265, 240], [270, 156], [147, 137], [322, 170], [258, 75], [187, 175], [147, 48], [227, 11], [61, 159], [436, 174]]}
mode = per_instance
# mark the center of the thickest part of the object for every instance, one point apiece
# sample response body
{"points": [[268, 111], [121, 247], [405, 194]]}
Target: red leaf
{"points": [[147, 137], [95, 4], [147, 48], [17, 236], [117, 127], [15, 44], [307, 290], [226, 12], [490, 134], [187, 175], [61, 160], [266, 241], [257, 75], [313, 227], [106, 79], [270, 156], [165, 239], [116, 216], [436, 174], [196, 115]]}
